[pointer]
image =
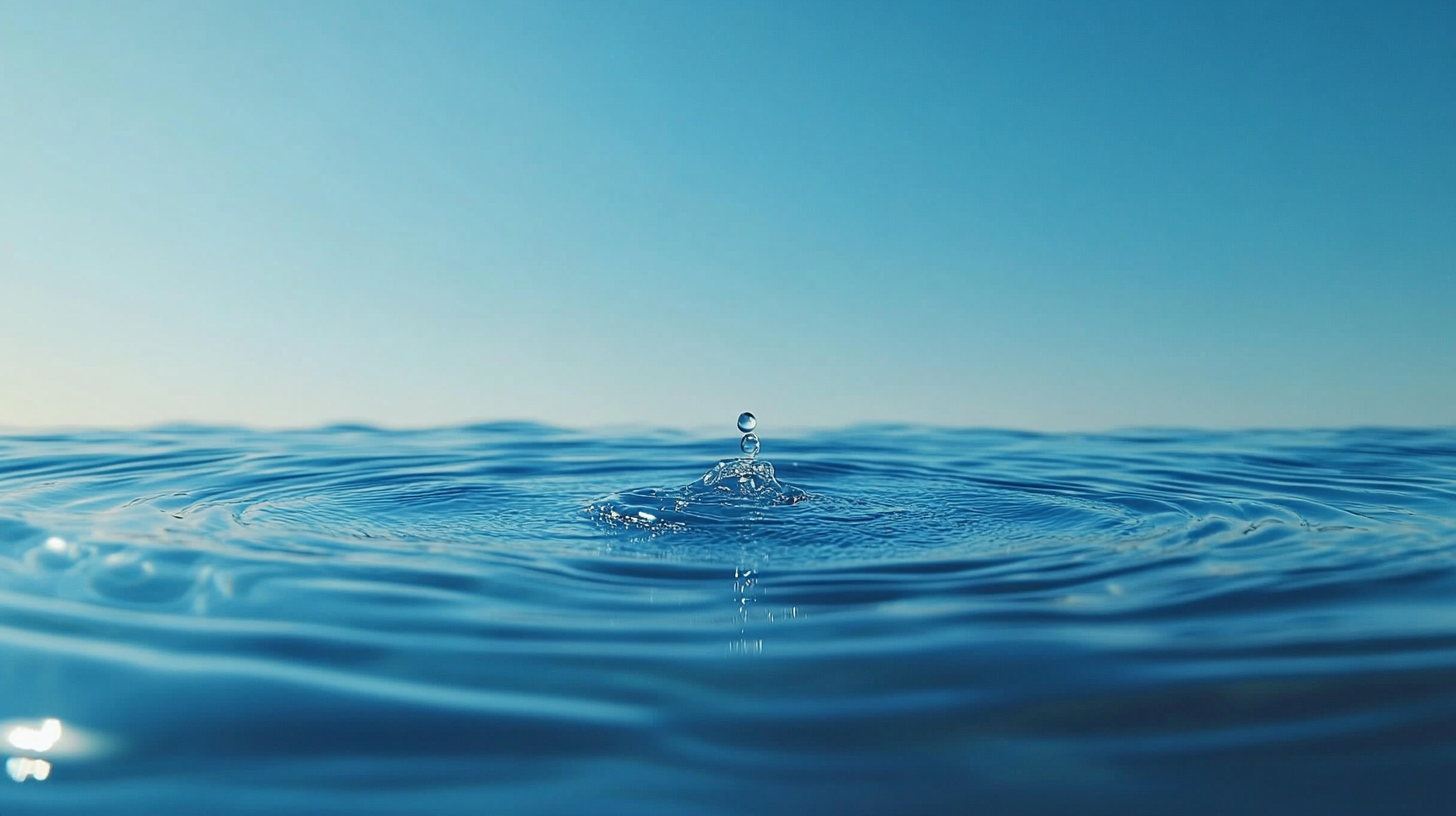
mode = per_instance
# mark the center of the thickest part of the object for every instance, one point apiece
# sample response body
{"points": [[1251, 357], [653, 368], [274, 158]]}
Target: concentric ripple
{"points": [[515, 618]]}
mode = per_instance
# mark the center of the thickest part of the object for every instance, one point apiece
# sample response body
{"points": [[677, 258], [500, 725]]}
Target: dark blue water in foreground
{"points": [[518, 619]]}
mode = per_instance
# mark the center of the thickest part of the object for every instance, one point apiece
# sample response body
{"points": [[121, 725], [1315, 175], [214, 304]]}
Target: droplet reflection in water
{"points": [[749, 445], [747, 422]]}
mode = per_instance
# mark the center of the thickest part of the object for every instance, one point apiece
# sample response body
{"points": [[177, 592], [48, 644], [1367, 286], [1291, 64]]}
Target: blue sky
{"points": [[1039, 215]]}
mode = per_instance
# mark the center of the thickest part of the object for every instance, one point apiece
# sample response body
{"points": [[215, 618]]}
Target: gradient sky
{"points": [[1068, 215]]}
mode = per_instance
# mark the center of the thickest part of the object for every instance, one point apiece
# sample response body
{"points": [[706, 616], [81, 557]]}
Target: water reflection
{"points": [[744, 580], [55, 555], [35, 738], [750, 627], [23, 768]]}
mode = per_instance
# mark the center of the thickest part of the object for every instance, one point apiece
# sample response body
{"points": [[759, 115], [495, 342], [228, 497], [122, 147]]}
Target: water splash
{"points": [[732, 490], [744, 479]]}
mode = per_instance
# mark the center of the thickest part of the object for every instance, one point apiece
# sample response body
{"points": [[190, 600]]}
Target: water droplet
{"points": [[747, 422], [749, 445]]}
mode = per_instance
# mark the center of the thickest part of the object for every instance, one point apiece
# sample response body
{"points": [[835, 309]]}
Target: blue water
{"points": [[518, 619]]}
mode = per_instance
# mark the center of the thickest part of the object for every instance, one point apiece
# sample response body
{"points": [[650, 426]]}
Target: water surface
{"points": [[520, 619]]}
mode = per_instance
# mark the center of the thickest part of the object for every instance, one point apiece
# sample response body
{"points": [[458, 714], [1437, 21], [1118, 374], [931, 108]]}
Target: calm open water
{"points": [[518, 619]]}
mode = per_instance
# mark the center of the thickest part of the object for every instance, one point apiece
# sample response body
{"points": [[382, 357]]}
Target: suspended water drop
{"points": [[747, 422], [749, 445]]}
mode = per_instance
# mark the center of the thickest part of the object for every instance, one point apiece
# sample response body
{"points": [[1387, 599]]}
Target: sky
{"points": [[1038, 215]]}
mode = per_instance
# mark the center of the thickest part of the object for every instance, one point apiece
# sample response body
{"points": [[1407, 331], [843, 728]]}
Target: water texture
{"points": [[519, 619]]}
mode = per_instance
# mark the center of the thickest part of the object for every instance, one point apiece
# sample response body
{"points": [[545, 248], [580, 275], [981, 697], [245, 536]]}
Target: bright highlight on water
{"points": [[39, 739], [521, 619], [22, 768]]}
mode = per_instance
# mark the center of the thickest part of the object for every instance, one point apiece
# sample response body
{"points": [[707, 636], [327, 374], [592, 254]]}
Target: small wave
{"points": [[884, 619]]}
